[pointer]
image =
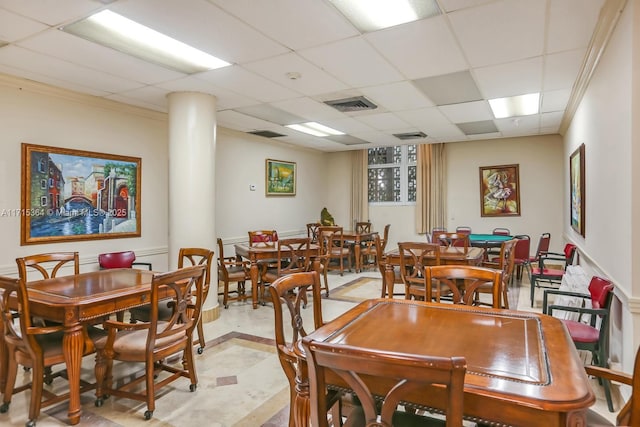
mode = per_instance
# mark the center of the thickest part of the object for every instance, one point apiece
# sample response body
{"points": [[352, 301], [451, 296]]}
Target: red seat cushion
{"points": [[547, 272], [582, 333]]}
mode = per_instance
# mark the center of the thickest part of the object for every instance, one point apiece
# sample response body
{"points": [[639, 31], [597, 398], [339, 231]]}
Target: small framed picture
{"points": [[499, 190], [280, 178]]}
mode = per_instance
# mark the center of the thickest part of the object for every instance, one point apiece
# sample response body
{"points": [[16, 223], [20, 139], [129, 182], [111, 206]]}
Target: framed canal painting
{"points": [[499, 190], [576, 189], [280, 178], [71, 195]]}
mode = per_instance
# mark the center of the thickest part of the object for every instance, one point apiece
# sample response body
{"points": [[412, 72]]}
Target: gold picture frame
{"points": [[280, 178], [577, 190], [499, 190], [69, 195]]}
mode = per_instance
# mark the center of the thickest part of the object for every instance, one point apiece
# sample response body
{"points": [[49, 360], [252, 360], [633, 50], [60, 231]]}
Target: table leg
{"points": [[356, 254], [73, 346], [388, 281], [253, 272]]}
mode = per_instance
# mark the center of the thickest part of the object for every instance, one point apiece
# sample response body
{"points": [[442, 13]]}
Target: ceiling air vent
{"points": [[266, 133], [410, 135], [357, 103]]}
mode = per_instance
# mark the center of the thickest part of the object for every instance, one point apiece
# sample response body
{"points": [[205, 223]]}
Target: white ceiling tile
{"points": [[46, 79], [497, 81], [420, 49], [309, 108], [467, 112], [384, 121], [14, 27], [204, 26], [85, 53], [451, 5], [148, 95], [378, 138], [571, 24], [297, 24], [518, 125], [549, 120], [354, 62], [561, 69], [65, 71], [501, 31], [555, 100], [348, 125], [244, 82], [432, 122], [234, 120], [397, 96], [225, 98], [52, 12], [312, 80]]}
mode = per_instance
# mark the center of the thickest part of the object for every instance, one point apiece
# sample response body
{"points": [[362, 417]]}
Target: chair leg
{"points": [[37, 380], [533, 289], [10, 382], [200, 337]]}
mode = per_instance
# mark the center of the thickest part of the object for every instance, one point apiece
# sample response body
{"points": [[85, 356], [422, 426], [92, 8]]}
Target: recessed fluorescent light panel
{"points": [[372, 15], [315, 129], [522, 105], [117, 32]]}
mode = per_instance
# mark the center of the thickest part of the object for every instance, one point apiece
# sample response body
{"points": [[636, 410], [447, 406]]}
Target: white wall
{"points": [[541, 190], [603, 122], [38, 114]]}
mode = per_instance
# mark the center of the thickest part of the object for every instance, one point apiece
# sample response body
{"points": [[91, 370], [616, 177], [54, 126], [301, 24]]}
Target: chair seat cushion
{"points": [[547, 272], [581, 332], [134, 343], [402, 419]]}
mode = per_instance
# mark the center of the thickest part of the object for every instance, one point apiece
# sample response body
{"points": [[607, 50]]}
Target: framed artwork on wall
{"points": [[577, 190], [69, 195], [280, 178], [499, 190]]}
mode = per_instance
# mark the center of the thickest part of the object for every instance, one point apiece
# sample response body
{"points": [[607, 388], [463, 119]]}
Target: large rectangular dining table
{"points": [[261, 252], [448, 255], [523, 370], [85, 298]]}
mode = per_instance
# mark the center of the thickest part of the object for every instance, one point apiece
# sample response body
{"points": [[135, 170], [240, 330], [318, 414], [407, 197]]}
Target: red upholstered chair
{"points": [[125, 259], [521, 256], [543, 248], [463, 229], [502, 231], [590, 331], [550, 269]]}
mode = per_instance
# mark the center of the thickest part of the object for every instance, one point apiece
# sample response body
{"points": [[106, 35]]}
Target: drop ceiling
{"points": [[430, 77]]}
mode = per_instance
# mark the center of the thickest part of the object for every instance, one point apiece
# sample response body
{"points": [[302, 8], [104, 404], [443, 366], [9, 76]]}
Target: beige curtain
{"points": [[431, 200], [359, 191]]}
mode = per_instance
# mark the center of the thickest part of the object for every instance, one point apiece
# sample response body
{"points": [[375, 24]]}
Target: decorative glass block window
{"points": [[392, 174]]}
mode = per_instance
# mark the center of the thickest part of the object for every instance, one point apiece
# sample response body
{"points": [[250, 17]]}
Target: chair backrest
{"points": [[22, 334], [600, 290], [569, 253], [459, 241], [312, 231], [463, 229], [543, 245], [506, 259], [43, 263], [407, 373], [329, 237], [363, 227], [265, 238], [522, 249], [289, 291], [294, 255], [123, 259], [198, 256], [385, 236], [502, 231], [414, 257], [181, 286], [462, 281]]}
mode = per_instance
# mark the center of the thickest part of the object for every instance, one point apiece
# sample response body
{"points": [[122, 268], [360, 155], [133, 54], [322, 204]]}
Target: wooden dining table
{"points": [[523, 370], [357, 238], [84, 298], [264, 252], [448, 255]]}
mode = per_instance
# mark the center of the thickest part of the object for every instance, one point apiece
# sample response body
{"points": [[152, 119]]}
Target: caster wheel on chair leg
{"points": [[147, 415], [200, 350], [99, 402], [30, 423], [4, 408], [193, 387]]}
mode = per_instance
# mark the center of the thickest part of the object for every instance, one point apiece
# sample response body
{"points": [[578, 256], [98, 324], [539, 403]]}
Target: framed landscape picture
{"points": [[71, 195], [280, 178], [576, 189], [499, 190]]}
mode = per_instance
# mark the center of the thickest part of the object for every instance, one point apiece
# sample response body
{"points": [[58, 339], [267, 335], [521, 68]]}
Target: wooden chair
{"points": [[153, 342], [382, 265], [332, 246], [186, 257], [47, 264], [363, 227], [461, 282], [521, 255], [547, 272], [629, 415], [414, 257], [463, 229], [294, 256], [265, 238], [35, 347], [125, 259], [406, 374], [457, 241], [590, 330], [232, 269], [290, 291], [505, 262], [312, 231], [369, 251]]}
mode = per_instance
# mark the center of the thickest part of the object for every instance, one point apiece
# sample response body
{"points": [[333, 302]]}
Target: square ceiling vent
{"points": [[266, 133], [410, 135], [356, 103]]}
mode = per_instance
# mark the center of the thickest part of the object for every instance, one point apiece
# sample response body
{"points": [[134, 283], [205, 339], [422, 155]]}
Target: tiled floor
{"points": [[241, 383]]}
